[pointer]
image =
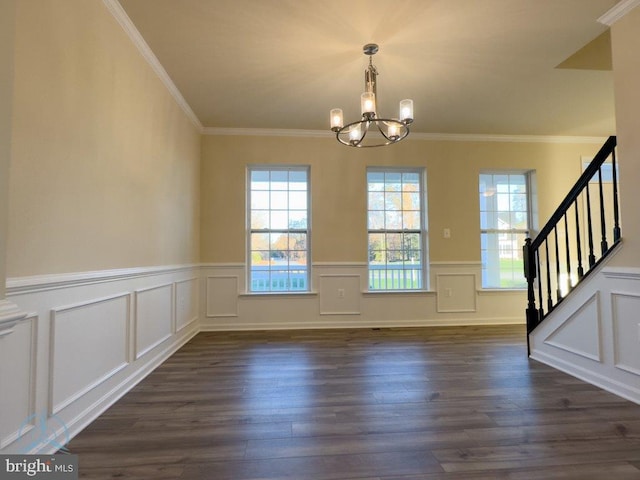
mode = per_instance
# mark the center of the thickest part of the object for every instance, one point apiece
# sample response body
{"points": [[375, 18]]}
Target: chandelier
{"points": [[372, 131]]}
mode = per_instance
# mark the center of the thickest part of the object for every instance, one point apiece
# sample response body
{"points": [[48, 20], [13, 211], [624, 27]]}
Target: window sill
{"points": [[398, 292], [502, 290], [278, 294]]}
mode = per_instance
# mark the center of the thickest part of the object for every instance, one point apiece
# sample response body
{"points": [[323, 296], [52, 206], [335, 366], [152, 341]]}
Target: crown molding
{"points": [[267, 132], [480, 137], [447, 137], [618, 11], [132, 32]]}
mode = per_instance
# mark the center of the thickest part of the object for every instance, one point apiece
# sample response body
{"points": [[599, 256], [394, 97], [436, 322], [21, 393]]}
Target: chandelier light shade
{"points": [[371, 130]]}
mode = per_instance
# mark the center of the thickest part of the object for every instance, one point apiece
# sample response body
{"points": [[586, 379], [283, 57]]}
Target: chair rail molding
{"points": [[10, 315]]}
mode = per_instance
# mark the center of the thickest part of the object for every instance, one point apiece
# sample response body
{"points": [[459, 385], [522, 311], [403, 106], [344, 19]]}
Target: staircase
{"points": [[576, 239]]}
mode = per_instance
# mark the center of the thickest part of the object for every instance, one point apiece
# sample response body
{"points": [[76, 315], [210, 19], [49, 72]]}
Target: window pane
{"points": [[298, 219], [297, 200], [410, 182], [279, 180], [393, 201], [279, 220], [411, 201], [279, 200], [376, 220], [298, 181], [260, 199], [376, 201], [259, 180], [411, 220], [259, 219], [375, 181], [393, 181], [393, 220]]}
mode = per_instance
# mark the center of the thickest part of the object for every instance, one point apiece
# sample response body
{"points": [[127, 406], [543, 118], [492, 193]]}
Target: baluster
{"points": [[558, 290], [578, 241], [549, 299], [616, 223], [541, 309], [603, 227], [566, 241], [592, 257]]}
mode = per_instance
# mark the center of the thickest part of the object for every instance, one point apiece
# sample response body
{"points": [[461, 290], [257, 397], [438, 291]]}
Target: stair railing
{"points": [[563, 253]]}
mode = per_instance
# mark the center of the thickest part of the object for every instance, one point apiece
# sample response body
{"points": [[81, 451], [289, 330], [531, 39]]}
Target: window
{"points": [[504, 226], [397, 236], [278, 229]]}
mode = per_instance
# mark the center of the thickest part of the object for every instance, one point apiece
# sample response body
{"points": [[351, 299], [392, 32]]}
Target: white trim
{"points": [[132, 32], [618, 11], [480, 137], [10, 315], [347, 321], [222, 265], [88, 415], [339, 265], [622, 273], [590, 376], [54, 408], [456, 264], [266, 132], [39, 283], [448, 137]]}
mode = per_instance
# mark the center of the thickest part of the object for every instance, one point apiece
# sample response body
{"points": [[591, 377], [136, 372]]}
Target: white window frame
{"points": [[289, 230], [422, 231], [529, 181]]}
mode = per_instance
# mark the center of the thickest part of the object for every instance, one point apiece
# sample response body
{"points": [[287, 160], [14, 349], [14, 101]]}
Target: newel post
{"points": [[528, 255]]}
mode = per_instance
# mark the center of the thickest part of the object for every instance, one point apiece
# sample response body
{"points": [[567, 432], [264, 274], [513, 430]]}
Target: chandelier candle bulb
{"points": [[368, 103], [406, 110], [392, 132], [337, 121], [354, 133]]}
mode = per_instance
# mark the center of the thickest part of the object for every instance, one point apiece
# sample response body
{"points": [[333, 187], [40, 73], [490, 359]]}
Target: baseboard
{"points": [[589, 376], [209, 326]]}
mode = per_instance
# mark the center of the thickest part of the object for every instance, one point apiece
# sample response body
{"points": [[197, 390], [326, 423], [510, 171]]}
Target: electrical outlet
{"points": [[341, 293]]}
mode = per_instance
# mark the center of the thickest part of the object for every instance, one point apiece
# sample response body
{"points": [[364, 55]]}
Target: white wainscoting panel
{"points": [[222, 296], [186, 302], [89, 344], [580, 334], [594, 333], [17, 380], [82, 346], [339, 294], [456, 292], [154, 317], [626, 328]]}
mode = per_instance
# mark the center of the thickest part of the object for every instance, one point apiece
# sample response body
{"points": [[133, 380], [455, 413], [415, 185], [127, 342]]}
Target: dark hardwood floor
{"points": [[391, 404]]}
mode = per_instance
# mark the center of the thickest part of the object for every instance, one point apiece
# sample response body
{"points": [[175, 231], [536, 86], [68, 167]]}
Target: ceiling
{"points": [[471, 66]]}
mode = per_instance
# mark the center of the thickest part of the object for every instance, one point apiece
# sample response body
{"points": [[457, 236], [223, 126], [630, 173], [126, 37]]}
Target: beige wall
{"points": [[7, 31], [338, 189], [105, 164], [625, 36]]}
